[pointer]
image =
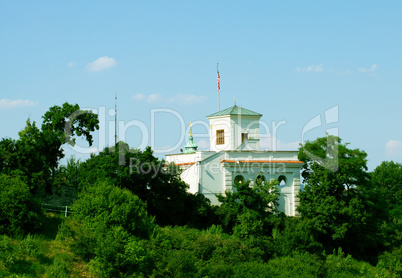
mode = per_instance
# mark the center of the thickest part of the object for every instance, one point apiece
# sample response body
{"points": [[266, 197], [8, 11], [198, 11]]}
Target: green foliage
{"points": [[304, 264], [61, 124], [297, 235], [333, 201], [391, 262], [29, 245], [7, 255], [340, 265], [35, 155], [179, 251], [59, 268], [108, 204], [249, 210], [8, 155], [31, 256], [183, 252], [68, 121], [31, 156], [146, 176], [249, 223], [106, 228], [342, 207], [329, 153], [19, 212], [69, 174], [26, 157], [387, 183]]}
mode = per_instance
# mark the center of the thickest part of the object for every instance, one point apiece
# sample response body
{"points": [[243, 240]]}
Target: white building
{"points": [[235, 156]]}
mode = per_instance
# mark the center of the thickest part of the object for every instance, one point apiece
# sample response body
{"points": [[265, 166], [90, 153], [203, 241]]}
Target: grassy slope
{"points": [[40, 255]]}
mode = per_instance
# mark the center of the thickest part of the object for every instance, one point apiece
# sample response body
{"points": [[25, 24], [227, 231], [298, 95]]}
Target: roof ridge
{"points": [[235, 110]]}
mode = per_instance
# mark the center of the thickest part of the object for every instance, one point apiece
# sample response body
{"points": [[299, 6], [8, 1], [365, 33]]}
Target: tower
{"points": [[234, 128], [190, 147]]}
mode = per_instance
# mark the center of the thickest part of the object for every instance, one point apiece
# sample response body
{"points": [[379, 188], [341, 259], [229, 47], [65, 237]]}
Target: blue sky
{"points": [[289, 60]]}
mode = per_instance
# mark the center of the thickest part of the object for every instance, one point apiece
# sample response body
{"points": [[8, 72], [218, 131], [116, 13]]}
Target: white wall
{"points": [[212, 177], [244, 124], [191, 177], [217, 124], [233, 127]]}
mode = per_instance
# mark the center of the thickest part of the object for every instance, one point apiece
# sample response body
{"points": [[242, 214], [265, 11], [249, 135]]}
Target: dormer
{"points": [[233, 128]]}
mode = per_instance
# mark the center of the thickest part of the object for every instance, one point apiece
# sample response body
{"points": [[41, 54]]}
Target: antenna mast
{"points": [[115, 118]]}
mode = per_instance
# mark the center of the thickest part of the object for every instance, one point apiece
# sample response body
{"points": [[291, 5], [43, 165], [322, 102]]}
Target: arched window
{"points": [[239, 179], [260, 179], [282, 180], [244, 137]]}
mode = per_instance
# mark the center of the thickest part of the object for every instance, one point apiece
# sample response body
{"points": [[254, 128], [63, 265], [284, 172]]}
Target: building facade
{"points": [[235, 156]]}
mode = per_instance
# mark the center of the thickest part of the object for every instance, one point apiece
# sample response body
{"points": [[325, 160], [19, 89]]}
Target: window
{"points": [[239, 179], [260, 179], [220, 137], [282, 180], [244, 137]]}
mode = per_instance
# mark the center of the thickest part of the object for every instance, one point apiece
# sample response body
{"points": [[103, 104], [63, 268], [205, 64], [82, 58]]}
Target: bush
{"points": [[107, 226], [59, 269], [340, 265], [391, 262], [297, 235], [28, 246], [19, 212], [113, 206], [302, 264], [7, 255], [185, 252]]}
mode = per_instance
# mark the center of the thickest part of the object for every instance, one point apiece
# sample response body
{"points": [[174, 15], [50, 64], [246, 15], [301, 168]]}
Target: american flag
{"points": [[219, 83]]}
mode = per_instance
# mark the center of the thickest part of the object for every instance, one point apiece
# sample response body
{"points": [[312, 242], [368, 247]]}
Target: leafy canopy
{"points": [[147, 177], [333, 200], [387, 182], [20, 213], [36, 154], [249, 209]]}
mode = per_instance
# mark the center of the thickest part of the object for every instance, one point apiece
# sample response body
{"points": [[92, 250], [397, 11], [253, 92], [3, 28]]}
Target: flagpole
{"points": [[219, 86]]}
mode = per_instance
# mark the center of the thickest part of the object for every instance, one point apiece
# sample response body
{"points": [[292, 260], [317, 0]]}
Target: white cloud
{"points": [[101, 64], [152, 98], [139, 97], [188, 99], [71, 64], [17, 103], [273, 144], [393, 149], [371, 69], [312, 68], [179, 98]]}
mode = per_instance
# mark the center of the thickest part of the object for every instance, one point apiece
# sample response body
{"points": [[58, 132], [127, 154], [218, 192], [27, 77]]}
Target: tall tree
{"points": [[333, 199], [8, 151], [387, 181], [31, 152], [61, 124], [35, 155], [248, 210]]}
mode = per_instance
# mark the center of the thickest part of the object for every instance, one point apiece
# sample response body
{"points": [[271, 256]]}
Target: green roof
{"points": [[190, 147], [235, 110]]}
